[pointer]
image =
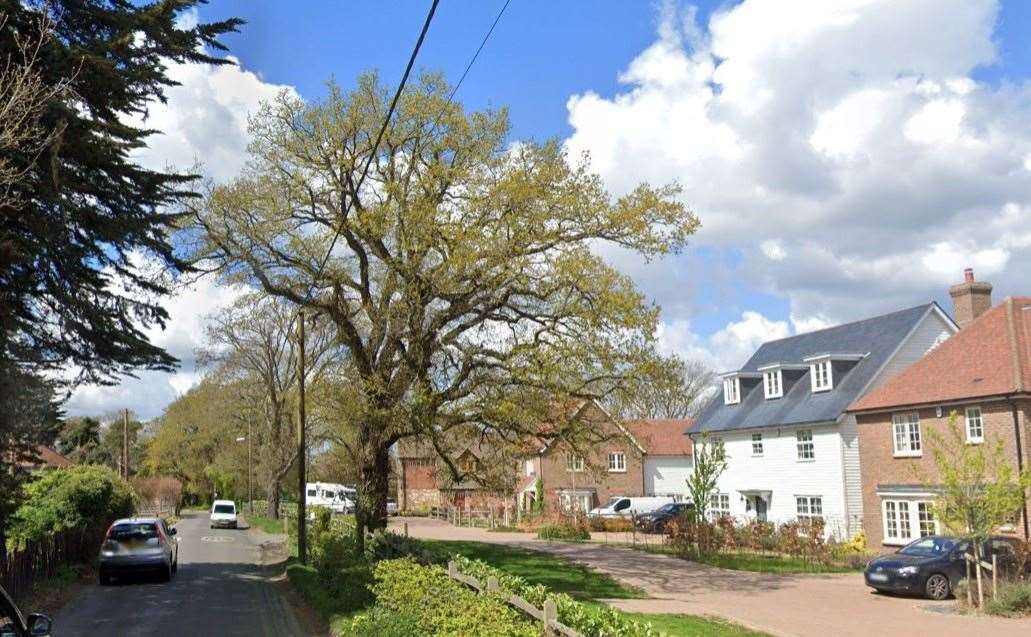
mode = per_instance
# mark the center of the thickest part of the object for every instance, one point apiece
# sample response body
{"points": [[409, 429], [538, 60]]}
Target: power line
{"points": [[477, 54]]}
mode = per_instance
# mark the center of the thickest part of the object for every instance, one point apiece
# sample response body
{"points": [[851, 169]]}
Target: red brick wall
{"points": [[879, 466]]}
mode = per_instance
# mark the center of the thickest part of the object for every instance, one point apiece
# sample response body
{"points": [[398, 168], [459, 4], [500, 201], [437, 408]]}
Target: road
{"points": [[220, 589]]}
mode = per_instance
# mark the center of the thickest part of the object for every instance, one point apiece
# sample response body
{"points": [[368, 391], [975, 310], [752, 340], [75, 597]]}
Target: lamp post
{"points": [[250, 493]]}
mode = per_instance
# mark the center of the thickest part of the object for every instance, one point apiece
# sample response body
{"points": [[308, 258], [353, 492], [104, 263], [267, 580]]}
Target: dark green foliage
{"points": [[568, 532], [342, 591], [77, 497], [380, 622], [72, 291], [385, 545]]}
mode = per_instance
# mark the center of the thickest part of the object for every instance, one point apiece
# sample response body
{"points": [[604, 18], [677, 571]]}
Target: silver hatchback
{"points": [[138, 545]]}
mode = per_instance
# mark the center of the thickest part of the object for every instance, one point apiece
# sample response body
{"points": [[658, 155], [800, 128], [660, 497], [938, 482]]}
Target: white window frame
{"points": [[974, 420], [821, 375], [531, 467], [801, 445], [617, 462], [809, 507], [904, 519], [731, 390], [757, 445], [773, 384], [719, 505], [906, 437], [574, 463]]}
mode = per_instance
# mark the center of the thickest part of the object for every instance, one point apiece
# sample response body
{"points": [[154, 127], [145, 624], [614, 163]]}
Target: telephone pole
{"points": [[125, 443], [302, 452]]}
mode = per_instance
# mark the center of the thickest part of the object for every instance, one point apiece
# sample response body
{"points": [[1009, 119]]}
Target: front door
{"points": [[760, 508]]}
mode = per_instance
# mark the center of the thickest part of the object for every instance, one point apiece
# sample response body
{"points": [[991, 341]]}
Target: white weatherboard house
{"points": [[792, 451]]}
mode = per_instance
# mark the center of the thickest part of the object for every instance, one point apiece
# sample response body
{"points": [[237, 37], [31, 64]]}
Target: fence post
{"points": [[995, 578], [406, 529], [970, 595], [452, 569], [550, 615]]}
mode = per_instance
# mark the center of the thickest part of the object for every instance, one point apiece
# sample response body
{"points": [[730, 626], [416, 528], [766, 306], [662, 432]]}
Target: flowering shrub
{"points": [[802, 539]]}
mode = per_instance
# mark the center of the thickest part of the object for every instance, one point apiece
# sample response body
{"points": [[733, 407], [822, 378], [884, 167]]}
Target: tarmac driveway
{"points": [[807, 605]]}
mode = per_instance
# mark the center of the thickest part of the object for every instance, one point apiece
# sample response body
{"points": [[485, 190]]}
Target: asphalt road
{"points": [[220, 589]]}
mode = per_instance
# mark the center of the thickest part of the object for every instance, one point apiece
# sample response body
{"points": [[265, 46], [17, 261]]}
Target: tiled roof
{"points": [[989, 357], [662, 437], [47, 457], [877, 338]]}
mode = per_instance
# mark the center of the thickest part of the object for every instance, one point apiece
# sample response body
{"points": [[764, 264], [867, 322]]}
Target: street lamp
{"points": [[250, 495]]}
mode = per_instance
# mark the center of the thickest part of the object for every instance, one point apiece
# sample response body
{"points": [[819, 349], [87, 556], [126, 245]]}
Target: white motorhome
{"points": [[619, 507], [337, 497]]}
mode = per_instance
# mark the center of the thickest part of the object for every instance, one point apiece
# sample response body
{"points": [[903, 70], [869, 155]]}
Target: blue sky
{"points": [[846, 157]]}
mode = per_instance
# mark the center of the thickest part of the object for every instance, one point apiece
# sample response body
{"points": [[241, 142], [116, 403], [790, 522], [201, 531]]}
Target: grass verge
{"points": [[268, 525], [693, 626], [754, 562]]}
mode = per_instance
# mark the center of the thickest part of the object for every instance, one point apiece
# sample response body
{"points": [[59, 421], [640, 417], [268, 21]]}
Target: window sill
{"points": [[806, 460], [617, 470], [908, 454], [757, 455], [975, 442]]}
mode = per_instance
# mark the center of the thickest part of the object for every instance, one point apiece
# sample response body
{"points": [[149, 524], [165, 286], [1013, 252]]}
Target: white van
{"points": [[337, 497], [621, 506], [223, 514]]}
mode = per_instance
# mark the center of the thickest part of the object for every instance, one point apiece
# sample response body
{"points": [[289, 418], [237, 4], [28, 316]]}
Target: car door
{"points": [[12, 624]]}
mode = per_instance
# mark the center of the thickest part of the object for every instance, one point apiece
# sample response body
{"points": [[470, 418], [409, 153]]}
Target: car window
{"points": [[225, 508], [622, 505], [133, 531], [929, 547], [311, 493]]}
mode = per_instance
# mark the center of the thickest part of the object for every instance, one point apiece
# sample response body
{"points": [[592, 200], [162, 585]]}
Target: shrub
{"points": [[611, 525], [567, 532], [344, 590], [380, 622], [589, 620], [438, 605], [1013, 600], [386, 545], [87, 497]]}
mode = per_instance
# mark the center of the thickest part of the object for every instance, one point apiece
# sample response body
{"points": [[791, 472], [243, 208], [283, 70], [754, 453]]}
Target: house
{"points": [[668, 460], [792, 449], [580, 480], [982, 376], [44, 457], [424, 482]]}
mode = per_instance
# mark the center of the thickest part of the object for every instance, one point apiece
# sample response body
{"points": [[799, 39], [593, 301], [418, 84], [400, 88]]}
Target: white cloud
{"points": [[842, 149], [726, 349]]}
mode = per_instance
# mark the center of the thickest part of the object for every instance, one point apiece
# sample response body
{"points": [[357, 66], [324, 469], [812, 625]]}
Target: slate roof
{"points": [[877, 337], [989, 357]]}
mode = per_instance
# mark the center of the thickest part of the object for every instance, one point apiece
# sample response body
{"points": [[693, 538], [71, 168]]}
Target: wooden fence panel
{"points": [[37, 561]]}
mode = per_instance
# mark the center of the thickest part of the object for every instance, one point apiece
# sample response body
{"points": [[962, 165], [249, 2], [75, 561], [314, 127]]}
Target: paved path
{"points": [[806, 605], [220, 589]]}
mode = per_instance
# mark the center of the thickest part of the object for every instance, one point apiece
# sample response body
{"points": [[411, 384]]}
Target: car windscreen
{"points": [[225, 508], [929, 547], [134, 531], [667, 508]]}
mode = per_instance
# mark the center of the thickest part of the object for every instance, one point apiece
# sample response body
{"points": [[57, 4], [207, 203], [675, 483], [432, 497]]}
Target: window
{"points": [[731, 391], [617, 461], [574, 462], [891, 520], [772, 384], [719, 505], [907, 434], [809, 507], [821, 375], [925, 515], [975, 426], [574, 501], [757, 444], [530, 468], [804, 442]]}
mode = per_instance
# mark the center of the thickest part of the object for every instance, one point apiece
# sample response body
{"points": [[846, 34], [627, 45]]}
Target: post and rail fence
{"points": [[548, 615]]}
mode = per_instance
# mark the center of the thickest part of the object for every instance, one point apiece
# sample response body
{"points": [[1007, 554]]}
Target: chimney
{"points": [[970, 299]]}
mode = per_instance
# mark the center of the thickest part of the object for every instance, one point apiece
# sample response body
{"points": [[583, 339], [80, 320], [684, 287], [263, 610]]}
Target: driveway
{"points": [[221, 588], [806, 605]]}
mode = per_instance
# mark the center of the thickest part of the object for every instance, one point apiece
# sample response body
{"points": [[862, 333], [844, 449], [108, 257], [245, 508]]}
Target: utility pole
{"points": [[302, 452], [125, 443], [250, 492]]}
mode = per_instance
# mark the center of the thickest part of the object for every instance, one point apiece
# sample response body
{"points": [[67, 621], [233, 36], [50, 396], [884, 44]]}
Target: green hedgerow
{"points": [[568, 532]]}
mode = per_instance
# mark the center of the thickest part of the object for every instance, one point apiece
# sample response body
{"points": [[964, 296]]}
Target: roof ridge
{"points": [[840, 325]]}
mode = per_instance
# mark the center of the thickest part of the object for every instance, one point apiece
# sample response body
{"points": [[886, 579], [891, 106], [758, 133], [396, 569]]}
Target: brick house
{"points": [[423, 480], [982, 375]]}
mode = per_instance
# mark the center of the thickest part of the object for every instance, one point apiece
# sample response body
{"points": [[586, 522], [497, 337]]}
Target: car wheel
{"points": [[937, 586]]}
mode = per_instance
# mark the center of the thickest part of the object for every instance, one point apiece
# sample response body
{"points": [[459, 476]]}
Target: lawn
{"points": [[770, 564], [564, 576], [268, 525]]}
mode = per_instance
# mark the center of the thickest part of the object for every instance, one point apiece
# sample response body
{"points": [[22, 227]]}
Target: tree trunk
{"points": [[371, 508], [272, 507]]}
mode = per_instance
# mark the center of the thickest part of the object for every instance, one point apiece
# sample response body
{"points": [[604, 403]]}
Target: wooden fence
{"points": [[548, 616], [23, 568]]}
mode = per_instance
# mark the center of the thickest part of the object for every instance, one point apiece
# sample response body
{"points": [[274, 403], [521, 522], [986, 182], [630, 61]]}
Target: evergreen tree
{"points": [[72, 290]]}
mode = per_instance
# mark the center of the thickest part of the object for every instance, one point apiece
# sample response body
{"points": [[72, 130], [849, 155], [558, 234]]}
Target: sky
{"points": [[846, 157]]}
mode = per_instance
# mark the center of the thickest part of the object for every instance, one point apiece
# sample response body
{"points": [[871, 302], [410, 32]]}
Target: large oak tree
{"points": [[461, 273]]}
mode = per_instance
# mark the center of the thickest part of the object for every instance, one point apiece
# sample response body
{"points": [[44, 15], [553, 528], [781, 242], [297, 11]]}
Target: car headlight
{"points": [[906, 571]]}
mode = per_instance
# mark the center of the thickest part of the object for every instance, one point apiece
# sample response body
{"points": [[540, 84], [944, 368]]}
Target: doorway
{"points": [[760, 508]]}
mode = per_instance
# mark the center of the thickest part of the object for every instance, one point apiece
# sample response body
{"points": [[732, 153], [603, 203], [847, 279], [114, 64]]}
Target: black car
{"points": [[657, 520], [13, 624], [932, 565]]}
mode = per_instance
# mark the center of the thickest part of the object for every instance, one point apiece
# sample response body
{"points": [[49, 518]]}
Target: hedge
{"points": [[591, 621]]}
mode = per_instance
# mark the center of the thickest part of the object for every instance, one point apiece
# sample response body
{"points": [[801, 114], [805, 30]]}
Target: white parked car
{"points": [[620, 507], [223, 514]]}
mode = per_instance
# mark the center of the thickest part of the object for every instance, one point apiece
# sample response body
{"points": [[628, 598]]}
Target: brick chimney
{"points": [[970, 299]]}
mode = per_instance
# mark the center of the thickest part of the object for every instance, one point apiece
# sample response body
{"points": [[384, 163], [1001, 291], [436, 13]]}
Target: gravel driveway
{"points": [[808, 605]]}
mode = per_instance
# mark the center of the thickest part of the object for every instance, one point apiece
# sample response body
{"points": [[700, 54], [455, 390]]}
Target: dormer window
{"points": [[773, 383], [822, 375], [731, 390]]}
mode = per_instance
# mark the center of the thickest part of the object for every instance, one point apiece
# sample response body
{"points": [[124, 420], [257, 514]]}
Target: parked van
{"points": [[620, 506], [337, 497]]}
